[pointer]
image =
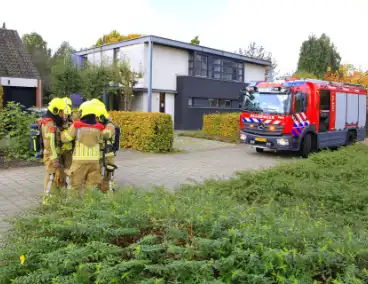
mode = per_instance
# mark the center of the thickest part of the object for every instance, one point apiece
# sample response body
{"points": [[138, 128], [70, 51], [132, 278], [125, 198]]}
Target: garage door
{"points": [[22, 95]]}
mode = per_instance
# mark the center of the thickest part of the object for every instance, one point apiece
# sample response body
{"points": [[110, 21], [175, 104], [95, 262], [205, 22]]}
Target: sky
{"points": [[279, 25]]}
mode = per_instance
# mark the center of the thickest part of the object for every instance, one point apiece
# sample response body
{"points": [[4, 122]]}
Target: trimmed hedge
{"points": [[144, 131], [222, 124]]}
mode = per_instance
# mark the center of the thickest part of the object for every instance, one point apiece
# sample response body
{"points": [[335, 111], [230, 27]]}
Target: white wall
{"points": [[134, 54], [167, 63], [18, 82], [253, 72], [170, 105]]}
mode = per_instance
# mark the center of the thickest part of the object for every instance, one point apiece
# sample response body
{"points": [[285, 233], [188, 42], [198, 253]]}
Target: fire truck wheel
{"points": [[259, 150], [351, 138], [306, 146]]}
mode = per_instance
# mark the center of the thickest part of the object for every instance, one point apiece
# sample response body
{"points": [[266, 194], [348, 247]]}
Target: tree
{"points": [[114, 36], [65, 49], [195, 40], [41, 58], [96, 79], [348, 74], [66, 77], [317, 55], [258, 51], [126, 79]]}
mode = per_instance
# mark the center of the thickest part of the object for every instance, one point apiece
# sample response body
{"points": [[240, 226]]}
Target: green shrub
{"points": [[14, 132], [305, 222], [144, 131], [224, 124]]}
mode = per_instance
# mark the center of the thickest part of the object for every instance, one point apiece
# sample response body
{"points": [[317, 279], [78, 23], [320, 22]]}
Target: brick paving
{"points": [[198, 159]]}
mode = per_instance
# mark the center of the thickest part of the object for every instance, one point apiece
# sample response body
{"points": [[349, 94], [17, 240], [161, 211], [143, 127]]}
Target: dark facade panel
{"points": [[188, 114], [22, 95]]}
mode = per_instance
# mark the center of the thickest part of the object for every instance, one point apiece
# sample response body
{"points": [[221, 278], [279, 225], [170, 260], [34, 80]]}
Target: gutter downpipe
{"points": [[149, 94]]}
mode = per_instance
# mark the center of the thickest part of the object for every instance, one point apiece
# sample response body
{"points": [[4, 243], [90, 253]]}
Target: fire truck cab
{"points": [[302, 115]]}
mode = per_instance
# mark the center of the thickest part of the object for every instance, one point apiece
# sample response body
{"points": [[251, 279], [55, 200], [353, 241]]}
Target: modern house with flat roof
{"points": [[181, 79], [18, 75]]}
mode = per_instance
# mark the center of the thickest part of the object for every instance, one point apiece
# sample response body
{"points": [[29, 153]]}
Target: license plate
{"points": [[259, 139]]}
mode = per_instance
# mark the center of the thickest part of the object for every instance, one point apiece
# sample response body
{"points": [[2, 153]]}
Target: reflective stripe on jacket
{"points": [[48, 129], [87, 140]]}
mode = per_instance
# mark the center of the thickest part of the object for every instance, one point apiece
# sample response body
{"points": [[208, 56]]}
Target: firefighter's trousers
{"points": [[66, 159], [84, 173], [53, 180], [107, 175]]}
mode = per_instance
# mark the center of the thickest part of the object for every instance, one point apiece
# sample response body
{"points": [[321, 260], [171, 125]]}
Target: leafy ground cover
{"points": [[304, 222]]}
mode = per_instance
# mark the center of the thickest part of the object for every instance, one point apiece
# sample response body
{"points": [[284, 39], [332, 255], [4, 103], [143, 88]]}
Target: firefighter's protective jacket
{"points": [[50, 139], [68, 146], [87, 140]]}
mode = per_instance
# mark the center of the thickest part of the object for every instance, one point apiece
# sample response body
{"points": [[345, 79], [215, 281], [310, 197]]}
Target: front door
{"points": [[324, 114], [162, 102]]}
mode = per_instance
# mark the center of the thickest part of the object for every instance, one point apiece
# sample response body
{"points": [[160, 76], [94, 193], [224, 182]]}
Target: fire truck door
{"points": [[324, 114]]}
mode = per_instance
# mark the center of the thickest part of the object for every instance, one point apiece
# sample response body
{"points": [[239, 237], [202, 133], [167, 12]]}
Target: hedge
{"points": [[142, 131], [222, 124]]}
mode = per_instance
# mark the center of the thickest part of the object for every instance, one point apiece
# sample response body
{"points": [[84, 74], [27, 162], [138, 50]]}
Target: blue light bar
{"points": [[294, 83]]}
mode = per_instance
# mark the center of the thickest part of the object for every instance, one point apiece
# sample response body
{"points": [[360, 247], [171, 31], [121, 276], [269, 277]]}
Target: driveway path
{"points": [[198, 159]]}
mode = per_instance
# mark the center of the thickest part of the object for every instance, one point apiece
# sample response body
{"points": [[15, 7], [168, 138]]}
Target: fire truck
{"points": [[302, 115]]}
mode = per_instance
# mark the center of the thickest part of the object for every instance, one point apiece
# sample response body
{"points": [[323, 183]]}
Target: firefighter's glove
{"points": [[56, 164]]}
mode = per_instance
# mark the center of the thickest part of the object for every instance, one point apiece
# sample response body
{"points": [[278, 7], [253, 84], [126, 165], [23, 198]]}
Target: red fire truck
{"points": [[302, 115]]}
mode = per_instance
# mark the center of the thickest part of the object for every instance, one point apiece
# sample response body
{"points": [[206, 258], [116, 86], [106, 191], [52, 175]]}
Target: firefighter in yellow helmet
{"points": [[87, 134], [50, 128], [107, 156], [67, 148]]}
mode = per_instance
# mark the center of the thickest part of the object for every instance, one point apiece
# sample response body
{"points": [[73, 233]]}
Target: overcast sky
{"points": [[279, 25]]}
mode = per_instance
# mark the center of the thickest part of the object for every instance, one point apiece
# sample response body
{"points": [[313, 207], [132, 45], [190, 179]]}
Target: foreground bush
{"points": [[299, 223], [144, 131], [14, 132], [222, 124]]}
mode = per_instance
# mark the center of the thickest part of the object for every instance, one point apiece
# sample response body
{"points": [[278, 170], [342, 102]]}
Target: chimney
{"points": [[4, 26]]}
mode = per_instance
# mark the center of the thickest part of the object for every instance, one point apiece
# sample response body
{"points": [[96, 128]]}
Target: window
{"points": [[224, 103], [215, 67], [300, 102], [213, 103], [198, 65]]}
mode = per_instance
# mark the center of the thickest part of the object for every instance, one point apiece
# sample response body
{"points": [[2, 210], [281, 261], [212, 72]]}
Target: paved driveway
{"points": [[196, 160]]}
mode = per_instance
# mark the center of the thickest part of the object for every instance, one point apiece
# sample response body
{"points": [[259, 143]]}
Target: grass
{"points": [[304, 222], [201, 135]]}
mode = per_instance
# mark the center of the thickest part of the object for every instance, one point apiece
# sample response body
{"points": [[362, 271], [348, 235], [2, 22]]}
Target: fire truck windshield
{"points": [[271, 103]]}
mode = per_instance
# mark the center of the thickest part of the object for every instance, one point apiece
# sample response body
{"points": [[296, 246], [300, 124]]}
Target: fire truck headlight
{"points": [[243, 137], [282, 142]]}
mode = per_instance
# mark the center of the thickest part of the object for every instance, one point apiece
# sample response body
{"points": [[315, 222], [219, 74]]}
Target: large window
{"points": [[215, 67], [300, 102], [213, 103]]}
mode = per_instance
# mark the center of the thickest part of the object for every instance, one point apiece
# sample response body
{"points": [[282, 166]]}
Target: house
{"points": [[181, 79], [18, 76]]}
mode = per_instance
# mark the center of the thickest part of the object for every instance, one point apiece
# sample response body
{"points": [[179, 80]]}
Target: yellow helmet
{"points": [[68, 101], [101, 113], [56, 105], [97, 102], [87, 108]]}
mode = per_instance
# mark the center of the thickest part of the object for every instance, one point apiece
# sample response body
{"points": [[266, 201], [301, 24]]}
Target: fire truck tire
{"points": [[351, 138], [306, 146], [259, 150]]}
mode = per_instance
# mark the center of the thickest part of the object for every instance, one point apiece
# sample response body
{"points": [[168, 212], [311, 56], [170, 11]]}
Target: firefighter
{"points": [[50, 127], [107, 158], [67, 148], [87, 135]]}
